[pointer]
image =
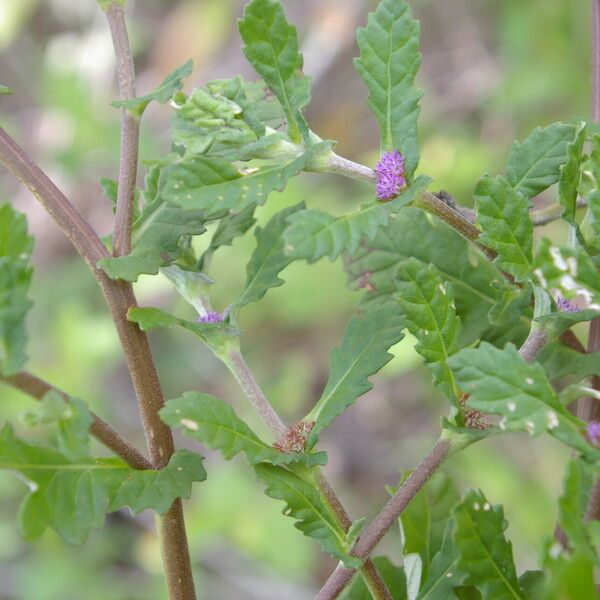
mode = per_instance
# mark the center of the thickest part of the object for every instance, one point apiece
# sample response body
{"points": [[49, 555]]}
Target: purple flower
{"points": [[593, 432], [212, 316], [565, 305], [390, 175]]}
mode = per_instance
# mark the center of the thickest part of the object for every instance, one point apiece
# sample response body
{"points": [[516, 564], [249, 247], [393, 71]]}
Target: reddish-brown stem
{"points": [[386, 518], [239, 369], [119, 297], [100, 429], [130, 131]]}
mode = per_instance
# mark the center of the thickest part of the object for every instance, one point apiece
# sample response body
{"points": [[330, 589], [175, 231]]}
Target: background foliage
{"points": [[492, 70]]}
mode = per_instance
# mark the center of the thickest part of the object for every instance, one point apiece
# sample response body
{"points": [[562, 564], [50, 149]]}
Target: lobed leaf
{"points": [[443, 575], [414, 233], [503, 214], [15, 278], [72, 497], [214, 423], [313, 234], [425, 518], [533, 165], [485, 554], [388, 63], [570, 175], [162, 93], [215, 186], [268, 258], [305, 504], [271, 45], [73, 421], [364, 351], [501, 382], [428, 306], [156, 235], [234, 225], [578, 482]]}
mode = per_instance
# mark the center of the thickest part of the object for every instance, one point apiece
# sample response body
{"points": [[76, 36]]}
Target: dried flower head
{"points": [[212, 316], [390, 175], [593, 432]]}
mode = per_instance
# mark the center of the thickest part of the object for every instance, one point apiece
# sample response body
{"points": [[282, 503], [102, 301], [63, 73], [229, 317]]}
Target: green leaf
{"points": [[156, 235], [388, 63], [428, 305], [570, 175], [503, 215], [271, 45], [424, 520], [234, 225], [533, 165], [514, 303], [268, 258], [354, 532], [571, 577], [15, 278], [214, 185], [443, 575], [72, 497], [568, 272], [364, 351], [204, 123], [573, 504], [485, 555], [313, 234], [72, 418], [190, 285], [558, 322], [5, 90], [214, 423], [590, 225], [558, 361], [215, 335], [501, 382], [412, 570], [414, 233], [162, 94], [393, 577], [305, 504]]}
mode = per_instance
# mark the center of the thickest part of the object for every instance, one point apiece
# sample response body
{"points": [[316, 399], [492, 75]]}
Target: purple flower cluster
{"points": [[390, 175], [593, 432], [565, 305], [212, 316]]}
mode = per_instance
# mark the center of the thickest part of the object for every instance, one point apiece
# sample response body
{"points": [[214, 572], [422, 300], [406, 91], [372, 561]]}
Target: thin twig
{"points": [[100, 429], [130, 131], [386, 518], [239, 369], [543, 216], [244, 376]]}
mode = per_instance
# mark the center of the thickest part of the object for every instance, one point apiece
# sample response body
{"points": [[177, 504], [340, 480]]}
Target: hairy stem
{"points": [[374, 533], [100, 429], [119, 297], [534, 344], [239, 369], [130, 132], [369, 572]]}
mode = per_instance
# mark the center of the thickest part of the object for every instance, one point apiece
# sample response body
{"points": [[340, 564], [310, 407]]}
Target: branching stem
{"points": [[386, 518], [100, 429]]}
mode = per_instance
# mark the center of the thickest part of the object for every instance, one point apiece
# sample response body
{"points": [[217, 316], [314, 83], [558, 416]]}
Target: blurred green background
{"points": [[492, 70]]}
